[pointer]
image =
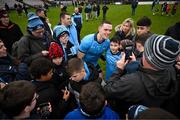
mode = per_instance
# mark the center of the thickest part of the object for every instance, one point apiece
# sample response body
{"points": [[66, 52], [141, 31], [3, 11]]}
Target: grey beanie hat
{"points": [[161, 51]]}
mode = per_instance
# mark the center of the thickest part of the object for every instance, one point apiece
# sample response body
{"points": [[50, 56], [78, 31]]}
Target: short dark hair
{"points": [[142, 38], [144, 21], [63, 14], [92, 99], [74, 65], [16, 96], [39, 10], [105, 22], [40, 66], [115, 39]]}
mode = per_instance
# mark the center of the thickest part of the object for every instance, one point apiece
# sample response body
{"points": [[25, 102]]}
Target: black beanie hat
{"points": [[161, 51]]}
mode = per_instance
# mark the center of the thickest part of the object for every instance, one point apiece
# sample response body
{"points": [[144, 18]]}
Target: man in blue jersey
{"points": [[94, 45]]}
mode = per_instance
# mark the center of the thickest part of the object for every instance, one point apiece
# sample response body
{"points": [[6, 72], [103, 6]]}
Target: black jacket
{"points": [[49, 93], [9, 34], [146, 87]]}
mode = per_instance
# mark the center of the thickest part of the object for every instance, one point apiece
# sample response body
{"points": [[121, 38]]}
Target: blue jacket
{"points": [[77, 19], [78, 114], [73, 38]]}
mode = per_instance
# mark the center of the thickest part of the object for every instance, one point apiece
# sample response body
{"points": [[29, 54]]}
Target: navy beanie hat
{"points": [[161, 51], [59, 30], [135, 110], [34, 22]]}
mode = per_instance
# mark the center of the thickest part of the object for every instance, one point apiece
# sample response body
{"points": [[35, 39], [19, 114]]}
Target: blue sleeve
{"points": [[85, 44]]}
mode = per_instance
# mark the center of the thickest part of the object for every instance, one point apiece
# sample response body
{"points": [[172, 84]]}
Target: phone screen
{"points": [[128, 51]]}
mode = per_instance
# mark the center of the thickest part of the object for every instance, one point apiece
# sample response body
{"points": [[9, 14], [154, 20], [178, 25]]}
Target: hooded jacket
{"points": [[30, 47]]}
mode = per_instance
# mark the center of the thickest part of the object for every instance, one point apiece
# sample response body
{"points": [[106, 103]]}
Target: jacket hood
{"points": [[160, 84]]}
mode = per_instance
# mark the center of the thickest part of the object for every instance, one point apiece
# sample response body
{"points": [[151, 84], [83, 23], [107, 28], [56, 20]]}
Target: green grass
{"points": [[116, 14]]}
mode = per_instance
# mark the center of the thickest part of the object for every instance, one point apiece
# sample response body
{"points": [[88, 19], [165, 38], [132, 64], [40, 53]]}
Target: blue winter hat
{"points": [[59, 30], [135, 110], [34, 22]]}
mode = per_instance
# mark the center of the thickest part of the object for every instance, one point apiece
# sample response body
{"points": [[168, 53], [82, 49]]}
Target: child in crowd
{"points": [[112, 55], [143, 25], [61, 35], [59, 73], [80, 73], [17, 100], [140, 40], [41, 70], [93, 104]]}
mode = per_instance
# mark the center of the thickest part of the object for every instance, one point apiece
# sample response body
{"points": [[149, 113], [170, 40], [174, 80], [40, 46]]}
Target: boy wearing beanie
{"points": [[154, 82], [61, 35], [59, 72]]}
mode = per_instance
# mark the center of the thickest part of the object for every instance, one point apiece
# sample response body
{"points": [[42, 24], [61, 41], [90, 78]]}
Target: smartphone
{"points": [[128, 51]]}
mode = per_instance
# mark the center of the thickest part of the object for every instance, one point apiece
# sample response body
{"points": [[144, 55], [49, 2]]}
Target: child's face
{"points": [[78, 76], [57, 60], [142, 30], [3, 52], [114, 47], [64, 38], [139, 47], [48, 76]]}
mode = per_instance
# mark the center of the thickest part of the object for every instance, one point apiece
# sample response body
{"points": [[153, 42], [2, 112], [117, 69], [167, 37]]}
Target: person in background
{"points": [[104, 9], [41, 13], [10, 32], [6, 6], [174, 8], [134, 5], [77, 20]]}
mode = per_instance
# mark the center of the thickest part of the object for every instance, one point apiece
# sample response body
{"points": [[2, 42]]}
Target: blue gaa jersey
{"points": [[111, 60], [92, 48]]}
